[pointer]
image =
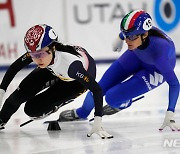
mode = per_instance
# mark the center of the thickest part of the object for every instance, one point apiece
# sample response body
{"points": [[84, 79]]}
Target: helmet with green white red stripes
{"points": [[136, 23]]}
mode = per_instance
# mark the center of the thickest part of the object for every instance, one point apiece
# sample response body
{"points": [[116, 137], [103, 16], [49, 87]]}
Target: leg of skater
{"points": [[51, 99], [27, 89], [120, 96]]}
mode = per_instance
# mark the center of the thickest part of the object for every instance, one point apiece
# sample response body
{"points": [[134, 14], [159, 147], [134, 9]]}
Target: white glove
{"points": [[2, 92], [117, 44], [169, 121], [97, 129]]}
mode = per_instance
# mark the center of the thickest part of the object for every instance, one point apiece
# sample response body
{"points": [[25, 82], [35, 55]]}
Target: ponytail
{"points": [[64, 48], [155, 32]]}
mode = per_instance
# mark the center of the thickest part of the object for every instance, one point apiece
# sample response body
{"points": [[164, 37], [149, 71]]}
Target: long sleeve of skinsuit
{"points": [[14, 68], [166, 68], [77, 71], [161, 54]]}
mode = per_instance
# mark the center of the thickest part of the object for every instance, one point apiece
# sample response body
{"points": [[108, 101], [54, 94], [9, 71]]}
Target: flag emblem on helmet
{"points": [[130, 19], [33, 37], [136, 23], [38, 37]]}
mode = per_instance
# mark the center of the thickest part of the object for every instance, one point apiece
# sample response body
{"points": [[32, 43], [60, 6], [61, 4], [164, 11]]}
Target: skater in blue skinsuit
{"points": [[149, 61]]}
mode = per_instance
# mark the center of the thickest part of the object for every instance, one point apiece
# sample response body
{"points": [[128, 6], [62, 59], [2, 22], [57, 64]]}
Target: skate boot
{"points": [[108, 110], [68, 115], [2, 124]]}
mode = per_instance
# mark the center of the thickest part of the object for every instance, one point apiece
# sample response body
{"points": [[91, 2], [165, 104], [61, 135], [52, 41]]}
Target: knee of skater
{"points": [[29, 111], [110, 101], [82, 113], [32, 114], [114, 101]]}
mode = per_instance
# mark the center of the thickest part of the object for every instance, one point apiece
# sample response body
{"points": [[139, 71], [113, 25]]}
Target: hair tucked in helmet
{"points": [[136, 23], [38, 37]]}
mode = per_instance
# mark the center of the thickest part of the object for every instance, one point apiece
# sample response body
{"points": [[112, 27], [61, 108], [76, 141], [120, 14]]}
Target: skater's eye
{"points": [[133, 37], [39, 54]]}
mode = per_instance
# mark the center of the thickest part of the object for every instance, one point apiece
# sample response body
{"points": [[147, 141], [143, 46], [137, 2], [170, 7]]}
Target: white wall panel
{"points": [[93, 24]]}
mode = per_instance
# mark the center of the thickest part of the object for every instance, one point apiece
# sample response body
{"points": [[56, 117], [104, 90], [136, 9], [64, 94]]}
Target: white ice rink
{"points": [[135, 129]]}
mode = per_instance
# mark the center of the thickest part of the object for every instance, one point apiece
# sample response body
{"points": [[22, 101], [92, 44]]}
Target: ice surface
{"points": [[135, 129]]}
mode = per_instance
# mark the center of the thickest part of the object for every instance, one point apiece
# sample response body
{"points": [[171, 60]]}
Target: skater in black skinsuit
{"points": [[66, 71]]}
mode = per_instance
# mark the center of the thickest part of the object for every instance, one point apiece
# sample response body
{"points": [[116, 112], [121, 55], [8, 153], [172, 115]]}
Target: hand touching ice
{"points": [[98, 129], [169, 121]]}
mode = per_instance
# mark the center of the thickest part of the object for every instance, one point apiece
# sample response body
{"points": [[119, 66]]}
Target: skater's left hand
{"points": [[98, 129], [169, 121]]}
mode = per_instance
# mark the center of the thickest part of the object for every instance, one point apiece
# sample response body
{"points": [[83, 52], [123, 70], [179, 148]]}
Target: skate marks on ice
{"points": [[130, 136]]}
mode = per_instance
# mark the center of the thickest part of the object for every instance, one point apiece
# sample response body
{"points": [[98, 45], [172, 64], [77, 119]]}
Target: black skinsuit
{"points": [[58, 91]]}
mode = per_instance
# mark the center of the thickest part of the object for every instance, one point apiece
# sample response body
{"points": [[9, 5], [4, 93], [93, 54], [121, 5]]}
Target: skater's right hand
{"points": [[2, 92], [98, 129], [169, 121]]}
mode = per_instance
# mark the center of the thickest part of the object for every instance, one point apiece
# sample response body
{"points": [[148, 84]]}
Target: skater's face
{"points": [[135, 41], [43, 57]]}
